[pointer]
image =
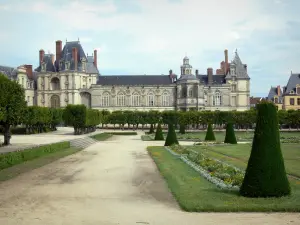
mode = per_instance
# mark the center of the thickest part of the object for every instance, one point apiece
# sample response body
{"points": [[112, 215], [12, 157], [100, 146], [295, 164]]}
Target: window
{"points": [[55, 84], [135, 99], [298, 89], [233, 87], [166, 99], [191, 93], [298, 101], [292, 101], [205, 97], [105, 99], [120, 99], [275, 100], [217, 99], [28, 99], [150, 99]]}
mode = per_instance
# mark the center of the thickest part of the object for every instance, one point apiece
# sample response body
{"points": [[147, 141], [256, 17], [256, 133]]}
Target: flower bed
{"points": [[290, 139], [223, 175]]}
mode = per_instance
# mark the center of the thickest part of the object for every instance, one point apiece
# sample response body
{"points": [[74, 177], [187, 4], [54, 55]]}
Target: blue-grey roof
{"points": [[240, 68], [217, 79], [274, 92], [135, 80], [293, 81], [10, 72], [187, 77], [66, 56]]}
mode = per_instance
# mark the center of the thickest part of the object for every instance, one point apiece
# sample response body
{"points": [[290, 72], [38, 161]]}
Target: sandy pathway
{"points": [[113, 182]]}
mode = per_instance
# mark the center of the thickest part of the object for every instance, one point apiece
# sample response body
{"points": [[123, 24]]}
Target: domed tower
{"points": [[186, 68]]}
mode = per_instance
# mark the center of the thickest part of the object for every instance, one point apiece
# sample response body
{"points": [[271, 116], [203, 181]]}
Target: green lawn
{"points": [[238, 155], [101, 137], [194, 193], [13, 171], [220, 136]]}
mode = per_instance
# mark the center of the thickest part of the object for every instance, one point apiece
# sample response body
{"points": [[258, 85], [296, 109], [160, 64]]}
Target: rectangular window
{"points": [[298, 90], [298, 101], [292, 101], [150, 100], [276, 100]]}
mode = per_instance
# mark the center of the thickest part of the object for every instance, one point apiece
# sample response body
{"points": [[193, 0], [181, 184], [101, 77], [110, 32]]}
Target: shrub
{"points": [[182, 129], [151, 131], [122, 133], [265, 174], [159, 134], [171, 136], [230, 135], [210, 136]]}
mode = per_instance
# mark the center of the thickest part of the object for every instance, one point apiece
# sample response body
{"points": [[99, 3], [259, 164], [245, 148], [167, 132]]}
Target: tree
{"points": [[159, 133], [265, 174], [151, 131], [210, 136], [230, 135], [171, 136], [12, 105], [182, 129]]}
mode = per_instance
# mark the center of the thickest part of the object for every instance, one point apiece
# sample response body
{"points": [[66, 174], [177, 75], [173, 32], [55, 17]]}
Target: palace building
{"points": [[72, 77]]}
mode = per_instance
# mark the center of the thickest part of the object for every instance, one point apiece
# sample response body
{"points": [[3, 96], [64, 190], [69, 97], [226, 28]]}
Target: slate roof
{"points": [[217, 79], [10, 72], [293, 81], [240, 69], [274, 91], [134, 80], [188, 77], [255, 100], [66, 56]]}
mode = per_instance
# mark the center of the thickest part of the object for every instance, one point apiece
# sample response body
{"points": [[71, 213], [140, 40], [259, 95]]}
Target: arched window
{"points": [[205, 97], [166, 99], [217, 99], [135, 99], [55, 84], [190, 92], [105, 99], [150, 99], [120, 99], [55, 101]]}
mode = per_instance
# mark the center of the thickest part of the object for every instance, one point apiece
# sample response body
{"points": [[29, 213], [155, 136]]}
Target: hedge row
{"points": [[243, 120], [17, 157]]}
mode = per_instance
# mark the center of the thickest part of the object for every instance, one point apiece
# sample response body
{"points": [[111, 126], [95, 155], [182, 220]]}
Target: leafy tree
{"points": [[171, 136], [230, 135], [265, 174], [159, 133], [12, 105], [182, 129], [75, 115]]}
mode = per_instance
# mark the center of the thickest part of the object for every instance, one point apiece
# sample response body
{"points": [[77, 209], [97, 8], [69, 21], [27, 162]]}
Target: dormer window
{"points": [[276, 100], [298, 89], [291, 92], [232, 71]]}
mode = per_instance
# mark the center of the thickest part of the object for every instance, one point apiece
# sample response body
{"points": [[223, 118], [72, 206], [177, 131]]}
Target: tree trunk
{"points": [[7, 134]]}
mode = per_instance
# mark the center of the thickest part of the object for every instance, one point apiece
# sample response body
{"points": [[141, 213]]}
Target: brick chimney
{"points": [[278, 90], [95, 58], [29, 71], [58, 50], [41, 56], [226, 61], [197, 72], [210, 75], [75, 57]]}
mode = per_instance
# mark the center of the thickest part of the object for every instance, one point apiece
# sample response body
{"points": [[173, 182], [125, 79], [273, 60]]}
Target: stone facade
{"points": [[73, 78]]}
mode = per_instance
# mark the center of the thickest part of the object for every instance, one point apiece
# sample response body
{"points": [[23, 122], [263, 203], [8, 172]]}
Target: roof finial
{"points": [[78, 39], [236, 51], [66, 40]]}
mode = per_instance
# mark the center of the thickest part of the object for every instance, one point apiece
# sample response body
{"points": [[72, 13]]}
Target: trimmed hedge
{"points": [[159, 133], [122, 133], [210, 136], [171, 136], [230, 135], [265, 174], [182, 129], [13, 158]]}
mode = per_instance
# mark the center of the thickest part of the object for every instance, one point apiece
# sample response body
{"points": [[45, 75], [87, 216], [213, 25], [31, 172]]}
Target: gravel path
{"points": [[109, 183]]}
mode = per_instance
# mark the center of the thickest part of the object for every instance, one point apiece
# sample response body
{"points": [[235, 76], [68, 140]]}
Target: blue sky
{"points": [[152, 36]]}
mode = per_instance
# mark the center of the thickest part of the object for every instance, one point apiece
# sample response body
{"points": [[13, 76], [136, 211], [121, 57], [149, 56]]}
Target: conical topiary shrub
{"points": [[230, 135], [151, 131], [265, 174], [182, 129], [210, 136], [159, 133], [171, 136]]}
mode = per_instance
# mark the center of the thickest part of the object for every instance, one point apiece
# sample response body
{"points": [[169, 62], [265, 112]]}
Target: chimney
{"points": [[41, 56], [58, 50], [245, 67], [170, 72], [95, 58], [210, 75], [29, 71], [226, 61], [197, 72], [278, 90], [74, 57]]}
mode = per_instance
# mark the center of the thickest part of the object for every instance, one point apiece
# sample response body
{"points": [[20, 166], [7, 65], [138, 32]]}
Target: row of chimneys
{"points": [[58, 54]]}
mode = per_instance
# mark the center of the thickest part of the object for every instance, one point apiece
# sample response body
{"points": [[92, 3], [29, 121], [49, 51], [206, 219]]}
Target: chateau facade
{"points": [[73, 77]]}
